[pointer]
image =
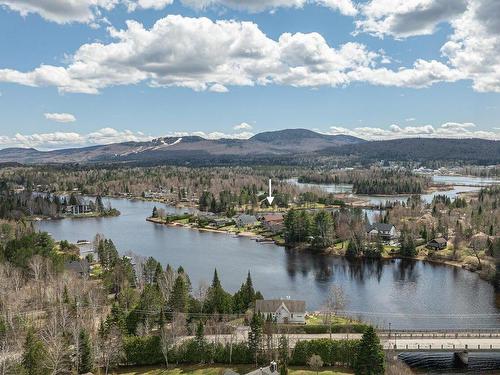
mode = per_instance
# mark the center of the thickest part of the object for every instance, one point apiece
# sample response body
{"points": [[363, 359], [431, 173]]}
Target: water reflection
{"points": [[402, 288]]}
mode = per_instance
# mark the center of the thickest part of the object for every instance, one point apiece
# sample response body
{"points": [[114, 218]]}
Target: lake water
{"points": [[407, 294], [457, 185]]}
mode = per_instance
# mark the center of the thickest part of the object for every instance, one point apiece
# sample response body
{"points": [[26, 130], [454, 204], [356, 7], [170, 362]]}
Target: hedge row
{"points": [[141, 351], [332, 352]]}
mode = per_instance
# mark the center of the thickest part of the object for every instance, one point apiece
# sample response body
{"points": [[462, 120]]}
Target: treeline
{"points": [[18, 205], [322, 228], [248, 195], [426, 151], [373, 180]]}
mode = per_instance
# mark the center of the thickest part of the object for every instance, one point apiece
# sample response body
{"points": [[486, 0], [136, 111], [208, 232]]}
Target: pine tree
{"points": [[179, 299], [370, 359], [33, 355], [283, 355], [218, 300], [85, 356], [200, 341], [255, 336]]}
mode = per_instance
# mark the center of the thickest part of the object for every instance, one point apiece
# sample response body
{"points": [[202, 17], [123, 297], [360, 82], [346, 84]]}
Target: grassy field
{"points": [[201, 370]]}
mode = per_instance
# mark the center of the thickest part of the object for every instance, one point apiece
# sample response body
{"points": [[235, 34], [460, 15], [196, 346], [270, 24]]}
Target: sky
{"points": [[82, 72]]}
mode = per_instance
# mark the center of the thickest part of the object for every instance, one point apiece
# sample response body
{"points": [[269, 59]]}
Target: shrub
{"points": [[332, 352], [141, 351]]}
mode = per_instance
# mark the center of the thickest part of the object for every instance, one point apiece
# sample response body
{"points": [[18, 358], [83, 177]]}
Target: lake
{"points": [[457, 185], [407, 294]]}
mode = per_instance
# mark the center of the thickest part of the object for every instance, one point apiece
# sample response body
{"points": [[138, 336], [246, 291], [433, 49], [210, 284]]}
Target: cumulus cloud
{"points": [[394, 131], [213, 135], [345, 7], [60, 117], [474, 46], [61, 11], [132, 5], [72, 139], [217, 87], [243, 126], [405, 18], [90, 11], [59, 140], [200, 54]]}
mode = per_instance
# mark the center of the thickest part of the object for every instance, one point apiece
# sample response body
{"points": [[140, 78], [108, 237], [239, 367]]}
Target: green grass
{"points": [[317, 320], [218, 370]]}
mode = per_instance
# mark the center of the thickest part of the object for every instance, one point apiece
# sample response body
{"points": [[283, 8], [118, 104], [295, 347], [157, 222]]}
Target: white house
{"points": [[386, 232], [283, 311]]}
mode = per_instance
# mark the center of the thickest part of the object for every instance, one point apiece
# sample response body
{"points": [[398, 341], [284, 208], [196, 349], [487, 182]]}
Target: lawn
{"points": [[318, 320], [201, 370]]}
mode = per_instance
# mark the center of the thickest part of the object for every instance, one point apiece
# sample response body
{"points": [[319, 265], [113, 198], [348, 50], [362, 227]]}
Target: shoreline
{"points": [[325, 252]]}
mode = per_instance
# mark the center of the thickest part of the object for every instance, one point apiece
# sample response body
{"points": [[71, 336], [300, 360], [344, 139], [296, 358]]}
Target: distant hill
{"points": [[266, 145], [277, 147], [480, 151]]}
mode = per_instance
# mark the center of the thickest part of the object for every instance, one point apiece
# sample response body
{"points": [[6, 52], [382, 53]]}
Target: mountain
{"points": [[277, 144], [472, 150], [289, 146]]}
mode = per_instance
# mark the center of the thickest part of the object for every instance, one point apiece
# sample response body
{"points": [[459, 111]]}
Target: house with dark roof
{"points": [[244, 220], [80, 267], [439, 243], [387, 232], [273, 222], [283, 311]]}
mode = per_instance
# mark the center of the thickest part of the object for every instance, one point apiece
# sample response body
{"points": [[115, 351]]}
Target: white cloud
{"points": [[474, 46], [473, 49], [345, 7], [200, 54], [243, 126], [212, 135], [405, 18], [90, 11], [59, 140], [132, 5], [72, 139], [60, 117], [394, 131], [217, 87], [61, 11]]}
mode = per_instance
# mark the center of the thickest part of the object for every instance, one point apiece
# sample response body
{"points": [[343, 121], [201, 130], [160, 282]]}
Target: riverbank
{"points": [[256, 235], [487, 272], [92, 215]]}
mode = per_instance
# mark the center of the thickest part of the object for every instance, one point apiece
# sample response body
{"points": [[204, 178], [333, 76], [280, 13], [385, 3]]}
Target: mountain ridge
{"points": [[279, 146]]}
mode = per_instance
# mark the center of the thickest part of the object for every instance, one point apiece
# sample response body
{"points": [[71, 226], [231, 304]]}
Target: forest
{"points": [[373, 181]]}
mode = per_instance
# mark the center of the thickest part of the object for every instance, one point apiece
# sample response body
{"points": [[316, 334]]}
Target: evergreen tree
{"points": [[85, 354], [244, 297], [283, 355], [200, 341], [370, 358], [33, 355], [179, 299], [99, 205], [255, 336], [218, 300]]}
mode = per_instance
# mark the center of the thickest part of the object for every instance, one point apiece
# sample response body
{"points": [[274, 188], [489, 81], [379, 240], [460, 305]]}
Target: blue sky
{"points": [[376, 69]]}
